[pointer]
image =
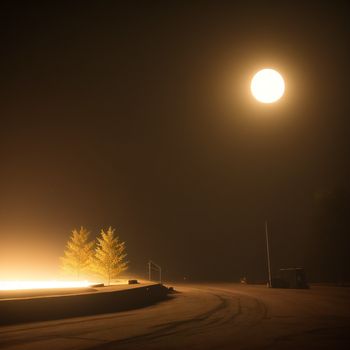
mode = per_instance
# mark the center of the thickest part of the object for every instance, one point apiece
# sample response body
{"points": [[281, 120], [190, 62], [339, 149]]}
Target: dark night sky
{"points": [[140, 117]]}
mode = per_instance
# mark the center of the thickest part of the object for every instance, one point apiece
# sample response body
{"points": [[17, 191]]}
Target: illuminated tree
{"points": [[79, 253], [109, 260]]}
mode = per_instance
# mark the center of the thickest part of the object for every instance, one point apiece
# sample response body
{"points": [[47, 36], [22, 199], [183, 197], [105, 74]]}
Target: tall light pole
{"points": [[267, 86], [268, 254]]}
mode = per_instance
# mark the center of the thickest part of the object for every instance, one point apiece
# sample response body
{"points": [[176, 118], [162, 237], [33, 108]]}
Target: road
{"points": [[204, 316]]}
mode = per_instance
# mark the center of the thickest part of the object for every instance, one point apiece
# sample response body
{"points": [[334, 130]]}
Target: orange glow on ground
{"points": [[25, 285]]}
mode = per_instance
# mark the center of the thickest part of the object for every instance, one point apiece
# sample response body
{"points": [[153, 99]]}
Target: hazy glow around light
{"points": [[22, 285], [267, 86]]}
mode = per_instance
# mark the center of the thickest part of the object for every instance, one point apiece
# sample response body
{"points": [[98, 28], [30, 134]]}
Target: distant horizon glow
{"points": [[26, 285]]}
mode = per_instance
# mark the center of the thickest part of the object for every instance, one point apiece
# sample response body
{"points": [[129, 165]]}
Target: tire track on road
{"points": [[171, 328]]}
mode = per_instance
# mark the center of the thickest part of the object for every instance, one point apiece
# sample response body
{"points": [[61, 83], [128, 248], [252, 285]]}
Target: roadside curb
{"points": [[65, 306]]}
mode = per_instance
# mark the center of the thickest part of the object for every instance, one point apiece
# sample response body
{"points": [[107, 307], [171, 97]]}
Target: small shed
{"points": [[294, 277]]}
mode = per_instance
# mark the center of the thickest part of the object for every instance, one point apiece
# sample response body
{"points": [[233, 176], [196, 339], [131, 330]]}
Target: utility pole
{"points": [[268, 254]]}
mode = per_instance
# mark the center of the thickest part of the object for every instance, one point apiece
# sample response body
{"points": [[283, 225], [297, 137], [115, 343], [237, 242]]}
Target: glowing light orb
{"points": [[267, 86], [24, 285]]}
